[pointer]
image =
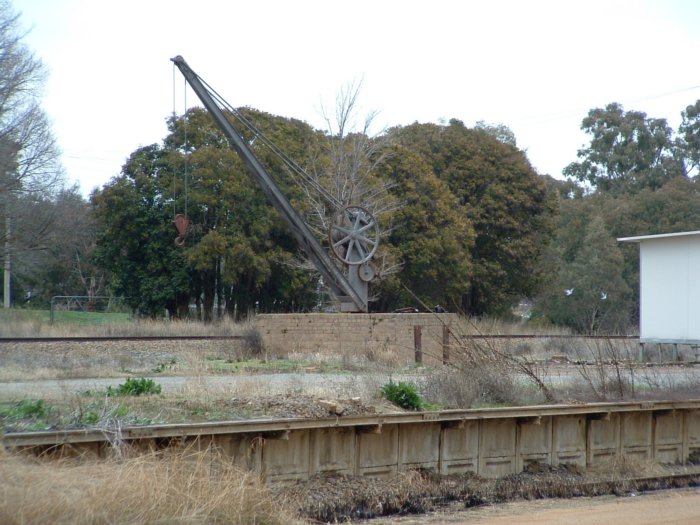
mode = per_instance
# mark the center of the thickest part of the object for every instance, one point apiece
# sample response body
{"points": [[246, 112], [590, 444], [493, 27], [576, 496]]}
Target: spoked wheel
{"points": [[354, 235]]}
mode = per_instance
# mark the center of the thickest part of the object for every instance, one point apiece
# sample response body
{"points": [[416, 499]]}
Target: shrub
{"points": [[135, 387], [404, 395], [36, 409], [25, 409]]}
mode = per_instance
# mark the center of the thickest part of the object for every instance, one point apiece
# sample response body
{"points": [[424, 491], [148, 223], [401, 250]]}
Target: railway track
{"points": [[106, 339], [242, 337]]}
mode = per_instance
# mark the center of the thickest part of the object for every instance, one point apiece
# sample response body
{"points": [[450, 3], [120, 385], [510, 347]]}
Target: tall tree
{"points": [[431, 236], [346, 171], [590, 293], [238, 255], [503, 198], [135, 236], [628, 151], [688, 141], [240, 248], [29, 164]]}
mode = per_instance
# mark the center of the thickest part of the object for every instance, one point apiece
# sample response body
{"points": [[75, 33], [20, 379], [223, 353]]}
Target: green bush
{"points": [[135, 387], [404, 395], [34, 409], [25, 409]]}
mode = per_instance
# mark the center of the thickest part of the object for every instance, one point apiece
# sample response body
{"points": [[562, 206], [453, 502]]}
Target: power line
{"points": [[577, 112]]}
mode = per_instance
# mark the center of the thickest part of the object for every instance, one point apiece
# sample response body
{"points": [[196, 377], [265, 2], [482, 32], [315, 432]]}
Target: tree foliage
{"points": [[637, 177], [468, 217], [25, 133], [587, 290], [688, 142], [64, 265], [505, 201], [135, 236], [628, 151], [238, 254], [30, 172], [431, 236]]}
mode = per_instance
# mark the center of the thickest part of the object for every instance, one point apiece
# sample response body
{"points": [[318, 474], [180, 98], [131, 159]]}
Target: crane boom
{"points": [[349, 297]]}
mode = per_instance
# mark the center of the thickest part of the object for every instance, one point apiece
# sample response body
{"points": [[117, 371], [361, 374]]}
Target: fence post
{"points": [[445, 344], [417, 343]]}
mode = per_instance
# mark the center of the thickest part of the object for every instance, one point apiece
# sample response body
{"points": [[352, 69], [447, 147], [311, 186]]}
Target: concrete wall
{"points": [[387, 337], [489, 442], [488, 447]]}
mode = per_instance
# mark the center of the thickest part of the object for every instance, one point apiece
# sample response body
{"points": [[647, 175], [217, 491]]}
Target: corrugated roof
{"points": [[657, 236]]}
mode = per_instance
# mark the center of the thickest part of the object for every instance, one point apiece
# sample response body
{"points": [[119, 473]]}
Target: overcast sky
{"points": [[535, 66]]}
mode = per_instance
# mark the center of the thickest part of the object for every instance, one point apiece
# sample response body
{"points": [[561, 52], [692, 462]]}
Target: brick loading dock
{"points": [[489, 442], [397, 335]]}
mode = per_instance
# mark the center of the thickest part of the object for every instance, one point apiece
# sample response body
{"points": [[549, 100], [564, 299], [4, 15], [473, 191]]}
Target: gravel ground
{"points": [[192, 391], [73, 379], [64, 360]]}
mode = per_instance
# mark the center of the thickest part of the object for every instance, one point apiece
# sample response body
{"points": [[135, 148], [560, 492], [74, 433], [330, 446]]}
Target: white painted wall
{"points": [[670, 289]]}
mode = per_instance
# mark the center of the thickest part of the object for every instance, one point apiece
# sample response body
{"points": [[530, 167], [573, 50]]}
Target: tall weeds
{"points": [[188, 487], [494, 366]]}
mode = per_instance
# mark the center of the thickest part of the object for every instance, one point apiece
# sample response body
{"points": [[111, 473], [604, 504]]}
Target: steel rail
{"points": [[262, 426], [241, 337], [533, 336], [106, 339]]}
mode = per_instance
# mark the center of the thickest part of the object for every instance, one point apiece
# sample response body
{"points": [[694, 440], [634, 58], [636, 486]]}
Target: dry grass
{"points": [[494, 326], [65, 360], [39, 328], [190, 487]]}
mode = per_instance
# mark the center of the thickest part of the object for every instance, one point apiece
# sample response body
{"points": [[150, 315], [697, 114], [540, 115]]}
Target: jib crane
{"points": [[353, 235]]}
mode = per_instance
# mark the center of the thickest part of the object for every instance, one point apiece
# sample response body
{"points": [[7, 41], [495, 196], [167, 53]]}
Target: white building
{"points": [[669, 280]]}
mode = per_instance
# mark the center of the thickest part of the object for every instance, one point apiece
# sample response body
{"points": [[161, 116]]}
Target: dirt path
{"points": [[675, 507]]}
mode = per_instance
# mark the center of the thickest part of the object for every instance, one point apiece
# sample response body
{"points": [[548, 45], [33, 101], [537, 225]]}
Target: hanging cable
{"points": [[180, 221], [292, 166], [174, 117], [186, 148]]}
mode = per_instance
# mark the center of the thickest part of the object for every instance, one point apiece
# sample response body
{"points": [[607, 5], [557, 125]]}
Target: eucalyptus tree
{"points": [[587, 290], [628, 151], [688, 141]]}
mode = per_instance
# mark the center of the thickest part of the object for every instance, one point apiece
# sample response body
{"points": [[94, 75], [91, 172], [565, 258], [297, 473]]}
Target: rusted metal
{"points": [[107, 339], [181, 223], [418, 343], [445, 344], [239, 337], [591, 410]]}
